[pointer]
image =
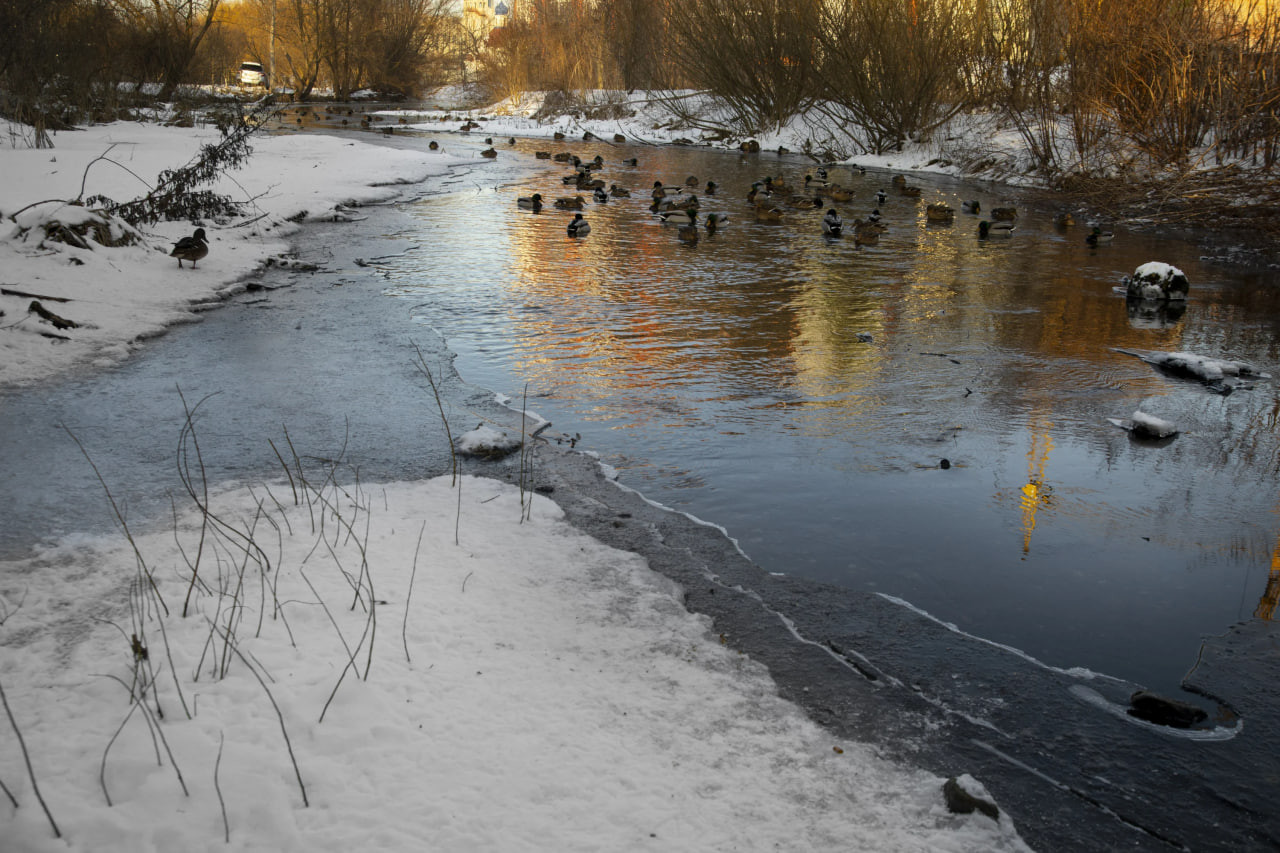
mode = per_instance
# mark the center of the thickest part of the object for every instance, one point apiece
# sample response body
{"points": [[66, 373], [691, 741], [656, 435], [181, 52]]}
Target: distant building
{"points": [[482, 17]]}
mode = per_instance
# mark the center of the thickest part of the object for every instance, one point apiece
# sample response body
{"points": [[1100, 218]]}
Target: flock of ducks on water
{"points": [[769, 198]]}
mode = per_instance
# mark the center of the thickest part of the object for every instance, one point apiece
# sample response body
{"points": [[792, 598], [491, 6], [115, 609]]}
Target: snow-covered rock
{"points": [[1157, 280], [487, 442], [1144, 425]]}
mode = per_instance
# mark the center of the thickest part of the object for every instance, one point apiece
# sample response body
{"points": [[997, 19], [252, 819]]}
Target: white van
{"points": [[251, 74]]}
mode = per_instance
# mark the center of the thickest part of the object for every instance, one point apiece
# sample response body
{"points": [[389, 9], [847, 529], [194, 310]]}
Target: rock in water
{"points": [[1154, 708], [1149, 426], [964, 796], [1157, 281]]}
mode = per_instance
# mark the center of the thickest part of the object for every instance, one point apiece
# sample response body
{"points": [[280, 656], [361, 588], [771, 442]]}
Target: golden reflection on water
{"points": [[866, 357]]}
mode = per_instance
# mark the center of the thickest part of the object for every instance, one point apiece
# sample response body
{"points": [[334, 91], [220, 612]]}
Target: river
{"points": [[989, 615]]}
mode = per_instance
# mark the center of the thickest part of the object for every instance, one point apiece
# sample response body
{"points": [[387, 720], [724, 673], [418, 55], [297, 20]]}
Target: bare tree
{"points": [[757, 56], [173, 31], [895, 67]]}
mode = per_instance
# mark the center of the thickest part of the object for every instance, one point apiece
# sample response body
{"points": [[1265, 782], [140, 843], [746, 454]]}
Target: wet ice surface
{"points": [[725, 381]]}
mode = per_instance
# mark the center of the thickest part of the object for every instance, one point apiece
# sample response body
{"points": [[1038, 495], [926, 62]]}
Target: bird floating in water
{"points": [[999, 228], [533, 202], [971, 207], [832, 224], [1064, 219], [191, 248], [881, 196], [1098, 236], [689, 232], [939, 213], [618, 192], [714, 221], [1004, 214], [579, 227], [575, 203], [600, 195]]}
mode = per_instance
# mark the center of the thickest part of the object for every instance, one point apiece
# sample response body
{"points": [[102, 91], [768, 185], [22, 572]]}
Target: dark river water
{"points": [[802, 392]]}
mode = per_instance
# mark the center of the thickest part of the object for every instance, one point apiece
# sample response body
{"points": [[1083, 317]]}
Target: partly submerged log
{"points": [[1221, 375]]}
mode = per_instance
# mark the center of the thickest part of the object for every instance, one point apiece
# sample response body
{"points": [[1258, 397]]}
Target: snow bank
{"points": [[117, 295], [523, 687]]}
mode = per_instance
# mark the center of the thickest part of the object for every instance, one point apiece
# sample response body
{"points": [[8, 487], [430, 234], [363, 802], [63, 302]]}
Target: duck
{"points": [[711, 187], [563, 157], [689, 203], [542, 155], [691, 181], [999, 228], [768, 214], [939, 213], [714, 221], [618, 192], [910, 191], [433, 145], [600, 195], [832, 224], [1064, 219], [804, 202], [575, 203], [579, 227], [661, 192], [881, 196], [899, 181], [811, 181], [839, 193], [191, 248], [533, 202], [971, 207], [1098, 236], [874, 216], [488, 152], [631, 161], [865, 234], [689, 232], [1004, 214]]}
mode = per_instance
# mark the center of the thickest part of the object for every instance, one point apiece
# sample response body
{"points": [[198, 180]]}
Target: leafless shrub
{"points": [[894, 68]]}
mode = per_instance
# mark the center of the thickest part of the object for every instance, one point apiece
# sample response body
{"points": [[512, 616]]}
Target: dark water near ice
{"points": [[733, 380]]}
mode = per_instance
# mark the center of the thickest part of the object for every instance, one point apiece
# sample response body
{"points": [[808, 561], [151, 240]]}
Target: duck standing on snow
{"points": [[533, 202], [579, 227], [832, 224], [191, 248]]}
